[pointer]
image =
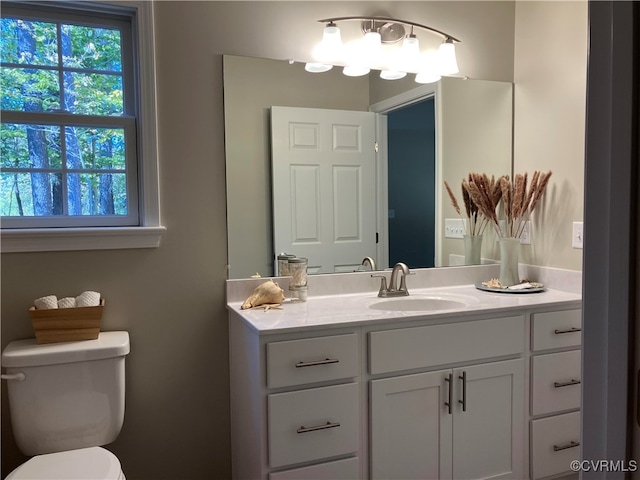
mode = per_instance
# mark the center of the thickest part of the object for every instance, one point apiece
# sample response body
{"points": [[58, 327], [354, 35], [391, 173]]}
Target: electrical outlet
{"points": [[453, 228], [577, 238], [525, 238]]}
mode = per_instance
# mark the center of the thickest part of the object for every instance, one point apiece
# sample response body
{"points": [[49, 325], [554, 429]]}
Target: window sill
{"points": [[61, 239]]}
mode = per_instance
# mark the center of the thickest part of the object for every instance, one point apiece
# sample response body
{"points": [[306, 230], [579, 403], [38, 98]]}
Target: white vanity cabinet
{"points": [[464, 422], [555, 391], [329, 390]]}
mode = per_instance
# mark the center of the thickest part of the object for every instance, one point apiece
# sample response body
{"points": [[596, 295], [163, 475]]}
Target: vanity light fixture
{"points": [[376, 50]]}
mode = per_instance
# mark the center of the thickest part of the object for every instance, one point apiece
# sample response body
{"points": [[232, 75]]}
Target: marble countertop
{"points": [[326, 311]]}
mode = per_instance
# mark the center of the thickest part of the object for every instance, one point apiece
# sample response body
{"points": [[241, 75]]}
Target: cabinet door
{"points": [[488, 429], [411, 427]]}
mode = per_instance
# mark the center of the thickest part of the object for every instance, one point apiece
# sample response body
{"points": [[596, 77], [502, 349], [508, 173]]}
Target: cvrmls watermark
{"points": [[604, 466]]}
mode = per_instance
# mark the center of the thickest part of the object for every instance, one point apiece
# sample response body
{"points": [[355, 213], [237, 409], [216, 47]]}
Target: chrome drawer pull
{"points": [[324, 426], [571, 444], [568, 330], [566, 384], [326, 361]]}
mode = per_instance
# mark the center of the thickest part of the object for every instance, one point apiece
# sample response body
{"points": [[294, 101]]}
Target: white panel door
{"points": [[411, 427], [324, 195], [488, 428]]}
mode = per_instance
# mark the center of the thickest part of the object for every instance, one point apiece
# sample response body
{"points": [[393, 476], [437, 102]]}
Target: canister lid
{"points": [[285, 256], [298, 260], [28, 353]]}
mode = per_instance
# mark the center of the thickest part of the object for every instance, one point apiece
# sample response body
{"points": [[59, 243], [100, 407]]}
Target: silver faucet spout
{"points": [[393, 282], [393, 290], [369, 261]]}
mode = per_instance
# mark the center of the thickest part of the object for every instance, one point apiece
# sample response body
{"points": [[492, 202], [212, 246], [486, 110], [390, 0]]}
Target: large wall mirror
{"points": [[470, 130]]}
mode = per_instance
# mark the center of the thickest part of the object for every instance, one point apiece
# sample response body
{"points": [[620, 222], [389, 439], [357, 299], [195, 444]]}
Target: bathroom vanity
{"points": [[450, 382]]}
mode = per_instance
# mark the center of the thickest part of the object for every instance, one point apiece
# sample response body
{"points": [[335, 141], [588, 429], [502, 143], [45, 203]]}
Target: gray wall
{"points": [[171, 299]]}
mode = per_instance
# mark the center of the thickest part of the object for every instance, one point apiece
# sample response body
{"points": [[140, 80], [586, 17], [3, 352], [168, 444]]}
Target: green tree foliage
{"points": [[47, 68]]}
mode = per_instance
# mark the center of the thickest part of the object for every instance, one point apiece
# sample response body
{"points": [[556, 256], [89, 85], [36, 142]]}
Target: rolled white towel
{"points": [[67, 302], [88, 299], [45, 303]]}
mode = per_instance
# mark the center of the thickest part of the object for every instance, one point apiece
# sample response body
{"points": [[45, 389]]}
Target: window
{"points": [[75, 128]]}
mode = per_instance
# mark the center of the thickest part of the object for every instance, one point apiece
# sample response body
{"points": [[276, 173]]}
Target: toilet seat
{"points": [[94, 463]]}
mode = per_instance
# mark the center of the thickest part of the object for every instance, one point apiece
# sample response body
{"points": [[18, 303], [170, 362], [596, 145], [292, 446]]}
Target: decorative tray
{"points": [[525, 287]]}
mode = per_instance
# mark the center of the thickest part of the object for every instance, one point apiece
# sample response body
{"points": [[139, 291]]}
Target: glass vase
{"points": [[509, 250], [472, 249]]}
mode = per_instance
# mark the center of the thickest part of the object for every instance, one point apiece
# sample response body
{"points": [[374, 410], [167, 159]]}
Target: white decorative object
{"points": [[88, 299], [67, 302], [45, 303], [267, 293]]}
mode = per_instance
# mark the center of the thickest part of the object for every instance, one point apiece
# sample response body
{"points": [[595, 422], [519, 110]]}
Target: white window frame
{"points": [[149, 231]]}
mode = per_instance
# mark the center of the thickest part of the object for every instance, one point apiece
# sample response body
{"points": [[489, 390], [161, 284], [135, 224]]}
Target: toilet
{"points": [[67, 401]]}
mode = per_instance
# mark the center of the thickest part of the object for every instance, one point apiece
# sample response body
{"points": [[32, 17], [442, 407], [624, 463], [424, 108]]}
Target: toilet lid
{"points": [[93, 463]]}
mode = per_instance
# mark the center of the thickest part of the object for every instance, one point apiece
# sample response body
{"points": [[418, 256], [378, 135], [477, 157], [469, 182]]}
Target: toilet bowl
{"points": [[66, 401], [94, 463]]}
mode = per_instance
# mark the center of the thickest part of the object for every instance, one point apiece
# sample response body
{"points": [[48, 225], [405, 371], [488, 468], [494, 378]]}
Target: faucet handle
{"points": [[383, 284]]}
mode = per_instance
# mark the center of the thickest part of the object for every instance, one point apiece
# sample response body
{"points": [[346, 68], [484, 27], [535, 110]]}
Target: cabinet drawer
{"points": [[555, 442], [313, 424], [347, 469], [309, 360], [556, 382], [417, 347], [556, 329]]}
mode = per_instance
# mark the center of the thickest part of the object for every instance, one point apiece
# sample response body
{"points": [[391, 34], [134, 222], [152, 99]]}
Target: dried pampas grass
{"points": [[480, 195], [523, 199]]}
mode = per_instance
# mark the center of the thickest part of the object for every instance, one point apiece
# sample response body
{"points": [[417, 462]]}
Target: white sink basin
{"points": [[417, 304]]}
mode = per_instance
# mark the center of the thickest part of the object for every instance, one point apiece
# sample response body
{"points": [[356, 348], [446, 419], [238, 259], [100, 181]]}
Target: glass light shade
{"points": [[373, 41], [331, 35], [427, 76], [447, 60], [410, 52], [392, 74], [330, 49], [317, 67], [371, 49], [429, 68], [355, 71]]}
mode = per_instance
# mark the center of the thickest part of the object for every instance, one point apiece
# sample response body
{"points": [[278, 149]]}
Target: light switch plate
{"points": [[453, 228], [577, 238]]}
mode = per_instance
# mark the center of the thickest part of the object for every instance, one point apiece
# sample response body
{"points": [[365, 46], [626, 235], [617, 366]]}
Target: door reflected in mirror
{"points": [[471, 130]]}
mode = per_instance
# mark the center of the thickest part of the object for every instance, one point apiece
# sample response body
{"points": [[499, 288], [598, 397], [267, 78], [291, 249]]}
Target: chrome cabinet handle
{"points": [[566, 384], [20, 377], [571, 444], [450, 380], [315, 428], [326, 361], [568, 330], [463, 377]]}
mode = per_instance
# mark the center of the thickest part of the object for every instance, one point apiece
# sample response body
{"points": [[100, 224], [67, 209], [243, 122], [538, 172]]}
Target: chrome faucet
{"points": [[393, 290], [369, 261]]}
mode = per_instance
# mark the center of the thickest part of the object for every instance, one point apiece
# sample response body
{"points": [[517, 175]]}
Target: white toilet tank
{"points": [[72, 395]]}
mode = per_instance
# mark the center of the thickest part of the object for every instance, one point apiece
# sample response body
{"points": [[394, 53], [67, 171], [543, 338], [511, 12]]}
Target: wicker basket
{"points": [[66, 324]]}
